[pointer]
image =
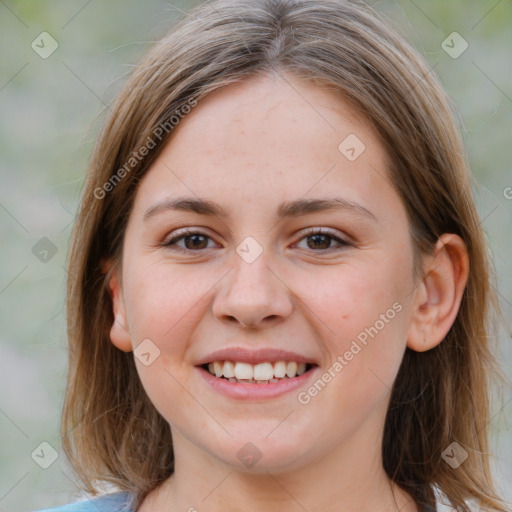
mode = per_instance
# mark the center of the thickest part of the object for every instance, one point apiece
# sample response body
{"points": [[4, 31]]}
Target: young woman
{"points": [[279, 288]]}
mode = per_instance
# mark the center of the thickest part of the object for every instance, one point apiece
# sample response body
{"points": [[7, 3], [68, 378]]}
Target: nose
{"points": [[253, 295]]}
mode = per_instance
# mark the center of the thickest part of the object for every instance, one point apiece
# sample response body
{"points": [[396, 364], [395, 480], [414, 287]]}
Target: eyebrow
{"points": [[294, 208]]}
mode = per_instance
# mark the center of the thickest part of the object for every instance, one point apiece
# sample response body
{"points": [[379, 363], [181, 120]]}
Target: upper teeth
{"points": [[260, 371]]}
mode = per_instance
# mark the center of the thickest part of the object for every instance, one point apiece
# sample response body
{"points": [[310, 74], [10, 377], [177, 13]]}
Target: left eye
{"points": [[195, 240], [320, 239]]}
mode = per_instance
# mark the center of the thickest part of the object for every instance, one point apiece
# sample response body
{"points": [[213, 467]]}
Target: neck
{"points": [[347, 479]]}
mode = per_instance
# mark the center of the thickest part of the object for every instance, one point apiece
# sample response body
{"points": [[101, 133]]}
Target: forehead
{"points": [[269, 139], [267, 113]]}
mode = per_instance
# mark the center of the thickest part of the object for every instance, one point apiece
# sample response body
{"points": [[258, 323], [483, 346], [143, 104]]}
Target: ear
{"points": [[119, 333], [438, 296]]}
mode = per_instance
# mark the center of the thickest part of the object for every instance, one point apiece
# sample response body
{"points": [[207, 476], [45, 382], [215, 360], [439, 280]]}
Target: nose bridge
{"points": [[252, 292], [251, 275]]}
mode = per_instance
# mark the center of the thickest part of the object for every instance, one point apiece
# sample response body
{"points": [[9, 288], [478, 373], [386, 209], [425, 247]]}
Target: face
{"points": [[272, 275]]}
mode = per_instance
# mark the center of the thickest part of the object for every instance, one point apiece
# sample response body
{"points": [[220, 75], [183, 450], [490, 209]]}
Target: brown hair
{"points": [[111, 431]]}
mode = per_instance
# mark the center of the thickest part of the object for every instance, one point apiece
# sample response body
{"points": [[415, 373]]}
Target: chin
{"points": [[258, 454]]}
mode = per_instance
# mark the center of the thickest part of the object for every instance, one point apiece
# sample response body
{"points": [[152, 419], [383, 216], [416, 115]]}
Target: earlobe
{"points": [[439, 295], [119, 333]]}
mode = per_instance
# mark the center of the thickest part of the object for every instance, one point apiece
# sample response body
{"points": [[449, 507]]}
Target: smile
{"points": [[261, 373], [259, 381]]}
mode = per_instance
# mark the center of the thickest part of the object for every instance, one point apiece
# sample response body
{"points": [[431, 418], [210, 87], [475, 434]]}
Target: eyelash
{"points": [[310, 232]]}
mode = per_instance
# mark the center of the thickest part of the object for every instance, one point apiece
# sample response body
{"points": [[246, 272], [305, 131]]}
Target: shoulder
{"points": [[116, 502]]}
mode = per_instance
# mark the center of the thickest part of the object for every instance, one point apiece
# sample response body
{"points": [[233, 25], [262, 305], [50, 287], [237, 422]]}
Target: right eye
{"points": [[192, 241]]}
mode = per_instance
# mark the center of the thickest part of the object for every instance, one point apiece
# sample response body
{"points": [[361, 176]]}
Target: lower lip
{"points": [[244, 390]]}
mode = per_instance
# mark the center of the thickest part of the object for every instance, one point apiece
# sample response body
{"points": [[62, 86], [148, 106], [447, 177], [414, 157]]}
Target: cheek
{"points": [[163, 304], [353, 298], [163, 301], [364, 317]]}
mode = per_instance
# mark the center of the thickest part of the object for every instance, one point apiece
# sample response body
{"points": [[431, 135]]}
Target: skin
{"points": [[249, 147]]}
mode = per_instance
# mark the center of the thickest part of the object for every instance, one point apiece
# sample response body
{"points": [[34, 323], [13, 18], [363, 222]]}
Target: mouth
{"points": [[264, 373]]}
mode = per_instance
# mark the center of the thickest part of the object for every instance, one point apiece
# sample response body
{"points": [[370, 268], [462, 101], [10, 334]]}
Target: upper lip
{"points": [[262, 355]]}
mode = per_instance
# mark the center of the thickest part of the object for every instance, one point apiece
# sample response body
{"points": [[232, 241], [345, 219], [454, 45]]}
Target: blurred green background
{"points": [[51, 110]]}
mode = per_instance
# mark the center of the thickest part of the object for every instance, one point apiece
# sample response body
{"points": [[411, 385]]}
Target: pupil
{"points": [[324, 237], [194, 244]]}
